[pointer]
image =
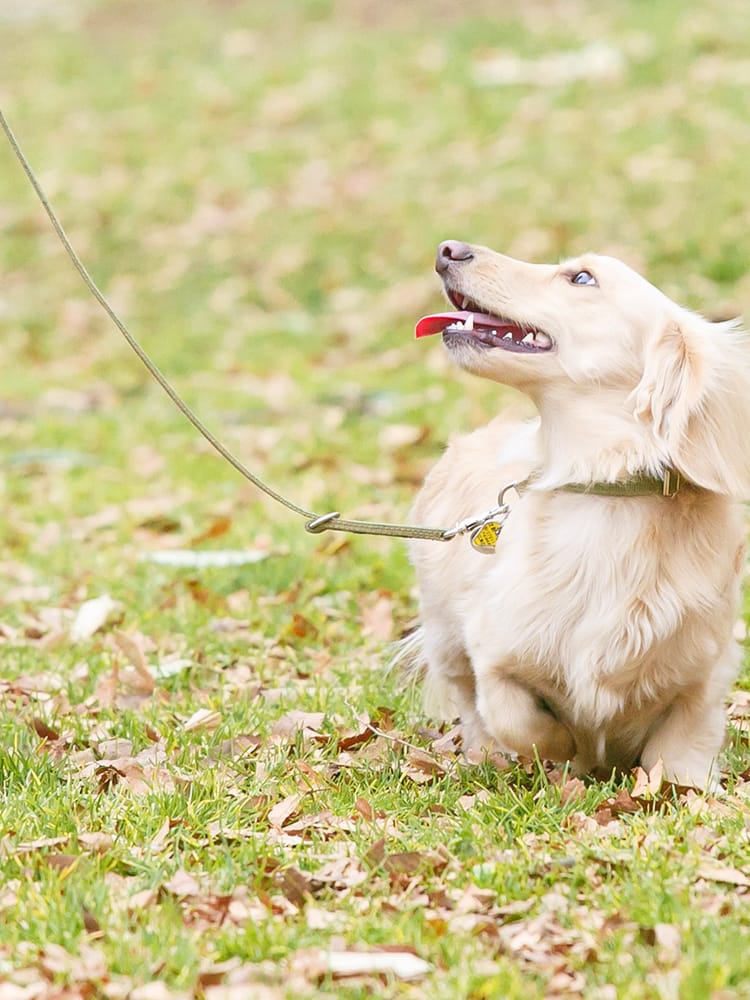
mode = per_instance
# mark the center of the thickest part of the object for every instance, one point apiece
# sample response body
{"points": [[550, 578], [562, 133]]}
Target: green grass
{"points": [[260, 188]]}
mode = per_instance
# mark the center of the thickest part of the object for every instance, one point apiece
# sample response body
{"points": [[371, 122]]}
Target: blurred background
{"points": [[260, 188]]}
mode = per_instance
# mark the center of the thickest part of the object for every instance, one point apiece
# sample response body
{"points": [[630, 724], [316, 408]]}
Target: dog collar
{"points": [[638, 486], [485, 530]]}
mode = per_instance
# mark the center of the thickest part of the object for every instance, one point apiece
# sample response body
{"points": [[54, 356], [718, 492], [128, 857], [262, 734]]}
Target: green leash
{"points": [[483, 528]]}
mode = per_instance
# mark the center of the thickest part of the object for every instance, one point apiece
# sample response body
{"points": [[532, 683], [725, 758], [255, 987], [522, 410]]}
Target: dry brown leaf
{"points": [[715, 872], [202, 718], [31, 846], [352, 739], [182, 884], [340, 874], [623, 802], [295, 886], [218, 527], [60, 862], [364, 808], [294, 722], [91, 616], [238, 746], [422, 767], [403, 863], [284, 810], [43, 731], [97, 842], [376, 852], [131, 646], [142, 900], [111, 749], [648, 784], [574, 790]]}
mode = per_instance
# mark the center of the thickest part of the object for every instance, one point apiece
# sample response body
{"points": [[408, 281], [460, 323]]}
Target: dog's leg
{"points": [[517, 721], [688, 739]]}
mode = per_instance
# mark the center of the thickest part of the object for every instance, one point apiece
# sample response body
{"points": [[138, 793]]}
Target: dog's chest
{"points": [[600, 607]]}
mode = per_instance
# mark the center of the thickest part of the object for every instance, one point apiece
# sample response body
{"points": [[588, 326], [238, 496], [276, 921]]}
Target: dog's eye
{"points": [[583, 278]]}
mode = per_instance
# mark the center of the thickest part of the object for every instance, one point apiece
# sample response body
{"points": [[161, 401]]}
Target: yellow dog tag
{"points": [[484, 538]]}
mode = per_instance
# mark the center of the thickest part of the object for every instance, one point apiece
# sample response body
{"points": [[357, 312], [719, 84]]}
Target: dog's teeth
{"points": [[464, 302], [542, 340], [469, 324], [507, 335], [528, 338]]}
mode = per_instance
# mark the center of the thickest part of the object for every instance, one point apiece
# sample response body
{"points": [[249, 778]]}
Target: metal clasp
{"points": [[486, 528], [320, 524], [671, 483]]}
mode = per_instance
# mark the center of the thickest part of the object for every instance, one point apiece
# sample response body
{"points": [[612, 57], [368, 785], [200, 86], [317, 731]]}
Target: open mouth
{"points": [[469, 322]]}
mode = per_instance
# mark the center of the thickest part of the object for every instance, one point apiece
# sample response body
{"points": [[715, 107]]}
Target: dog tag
{"points": [[484, 538]]}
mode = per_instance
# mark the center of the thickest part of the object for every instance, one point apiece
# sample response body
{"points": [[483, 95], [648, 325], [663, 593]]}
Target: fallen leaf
{"points": [[723, 873], [574, 790], [648, 784], [97, 842], [422, 767], [295, 886], [307, 723], [203, 718], [91, 616], [284, 810], [218, 527], [182, 884], [402, 964], [364, 808]]}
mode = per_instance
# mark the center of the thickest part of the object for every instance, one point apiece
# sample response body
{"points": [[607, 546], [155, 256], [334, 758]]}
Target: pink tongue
{"points": [[437, 322]]}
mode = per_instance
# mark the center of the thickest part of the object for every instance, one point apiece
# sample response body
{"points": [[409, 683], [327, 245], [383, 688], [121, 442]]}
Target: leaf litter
{"points": [[227, 781]]}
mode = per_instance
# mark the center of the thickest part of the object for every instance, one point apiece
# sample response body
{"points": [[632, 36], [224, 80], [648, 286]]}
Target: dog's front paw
{"points": [[517, 721], [556, 742]]}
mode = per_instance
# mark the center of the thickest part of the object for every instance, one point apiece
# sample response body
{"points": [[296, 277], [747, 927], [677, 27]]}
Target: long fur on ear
{"points": [[695, 394]]}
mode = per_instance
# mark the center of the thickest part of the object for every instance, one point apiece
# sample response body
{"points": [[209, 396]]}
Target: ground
{"points": [[209, 782]]}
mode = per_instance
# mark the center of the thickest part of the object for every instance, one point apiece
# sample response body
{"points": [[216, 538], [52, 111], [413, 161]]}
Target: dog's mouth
{"points": [[470, 322]]}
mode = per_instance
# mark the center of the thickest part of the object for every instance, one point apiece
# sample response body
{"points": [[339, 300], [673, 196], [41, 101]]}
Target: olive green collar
{"points": [[668, 485]]}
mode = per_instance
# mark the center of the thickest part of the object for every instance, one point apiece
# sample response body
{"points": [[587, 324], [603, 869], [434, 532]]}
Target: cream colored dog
{"points": [[600, 631]]}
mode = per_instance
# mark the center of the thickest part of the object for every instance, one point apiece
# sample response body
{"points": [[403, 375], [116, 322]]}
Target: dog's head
{"points": [[591, 336]]}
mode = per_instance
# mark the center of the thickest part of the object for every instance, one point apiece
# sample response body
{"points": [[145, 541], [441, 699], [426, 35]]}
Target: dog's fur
{"points": [[601, 630]]}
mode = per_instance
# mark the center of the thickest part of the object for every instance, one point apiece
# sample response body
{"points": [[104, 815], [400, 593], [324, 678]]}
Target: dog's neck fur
{"points": [[577, 449]]}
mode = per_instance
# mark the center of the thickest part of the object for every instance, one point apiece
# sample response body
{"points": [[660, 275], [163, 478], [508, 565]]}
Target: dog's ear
{"points": [[695, 394]]}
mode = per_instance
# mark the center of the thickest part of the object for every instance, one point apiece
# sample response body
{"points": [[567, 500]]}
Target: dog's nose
{"points": [[449, 252]]}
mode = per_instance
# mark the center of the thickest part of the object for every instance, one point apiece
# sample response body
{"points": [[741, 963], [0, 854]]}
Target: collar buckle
{"points": [[671, 483]]}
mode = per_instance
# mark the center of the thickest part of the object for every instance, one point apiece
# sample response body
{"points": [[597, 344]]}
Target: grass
{"points": [[260, 188]]}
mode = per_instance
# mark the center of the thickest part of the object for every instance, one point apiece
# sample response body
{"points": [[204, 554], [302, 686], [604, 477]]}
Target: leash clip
{"points": [[485, 530], [320, 524]]}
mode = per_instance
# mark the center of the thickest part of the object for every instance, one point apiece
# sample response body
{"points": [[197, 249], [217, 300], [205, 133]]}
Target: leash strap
{"points": [[668, 486], [315, 523]]}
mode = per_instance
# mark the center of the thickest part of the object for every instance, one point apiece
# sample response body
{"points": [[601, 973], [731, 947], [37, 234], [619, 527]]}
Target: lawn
{"points": [[210, 784]]}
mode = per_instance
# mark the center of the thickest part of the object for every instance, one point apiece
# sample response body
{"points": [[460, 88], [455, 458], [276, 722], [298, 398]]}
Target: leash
{"points": [[483, 530], [314, 523]]}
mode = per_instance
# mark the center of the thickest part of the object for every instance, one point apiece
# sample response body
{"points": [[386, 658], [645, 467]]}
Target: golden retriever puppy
{"points": [[600, 629]]}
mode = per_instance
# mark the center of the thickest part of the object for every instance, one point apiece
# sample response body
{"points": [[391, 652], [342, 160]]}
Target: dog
{"points": [[600, 631]]}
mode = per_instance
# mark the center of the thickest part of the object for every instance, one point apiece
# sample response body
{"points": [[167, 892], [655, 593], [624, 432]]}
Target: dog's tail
{"points": [[438, 697], [408, 655]]}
